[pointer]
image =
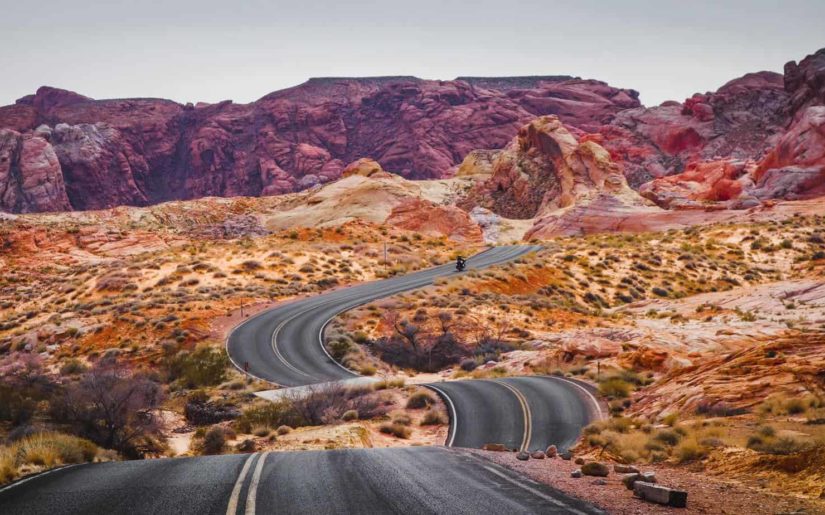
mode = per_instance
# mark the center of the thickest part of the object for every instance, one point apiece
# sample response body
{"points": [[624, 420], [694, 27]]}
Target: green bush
{"points": [[271, 415], [615, 387], [205, 366], [668, 437]]}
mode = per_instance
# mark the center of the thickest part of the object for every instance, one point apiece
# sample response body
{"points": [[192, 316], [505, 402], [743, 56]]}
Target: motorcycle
{"points": [[460, 265]]}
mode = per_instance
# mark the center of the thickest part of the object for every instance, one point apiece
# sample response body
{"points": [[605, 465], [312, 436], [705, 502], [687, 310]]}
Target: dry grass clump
{"points": [[632, 440], [396, 429], [420, 400], [43, 450]]}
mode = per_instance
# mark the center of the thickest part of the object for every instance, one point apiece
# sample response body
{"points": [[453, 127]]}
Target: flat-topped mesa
{"points": [[516, 82], [145, 151]]}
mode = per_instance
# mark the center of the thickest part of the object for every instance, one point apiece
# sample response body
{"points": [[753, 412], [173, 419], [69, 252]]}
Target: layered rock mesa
{"points": [[60, 150]]}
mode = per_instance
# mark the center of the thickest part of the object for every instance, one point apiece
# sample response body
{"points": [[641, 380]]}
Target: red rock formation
{"points": [[546, 168], [741, 120], [143, 151], [30, 175], [427, 218]]}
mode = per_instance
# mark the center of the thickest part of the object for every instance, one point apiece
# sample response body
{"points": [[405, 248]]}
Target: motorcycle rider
{"points": [[460, 263]]}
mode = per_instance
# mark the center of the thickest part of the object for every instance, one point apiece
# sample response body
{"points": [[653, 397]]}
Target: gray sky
{"points": [[209, 50]]}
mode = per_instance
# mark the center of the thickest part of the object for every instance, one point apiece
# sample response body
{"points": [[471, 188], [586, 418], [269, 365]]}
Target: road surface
{"points": [[402, 480], [284, 346]]}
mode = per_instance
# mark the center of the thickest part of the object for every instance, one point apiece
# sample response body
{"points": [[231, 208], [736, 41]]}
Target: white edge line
{"points": [[232, 507], [41, 474], [324, 326], [567, 508], [253, 485], [453, 414], [527, 250], [599, 413]]}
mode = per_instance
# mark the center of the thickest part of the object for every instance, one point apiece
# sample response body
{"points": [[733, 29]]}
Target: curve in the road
{"points": [[284, 345]]}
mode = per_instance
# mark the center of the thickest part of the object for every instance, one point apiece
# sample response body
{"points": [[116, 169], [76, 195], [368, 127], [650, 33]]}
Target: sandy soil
{"points": [[707, 495]]}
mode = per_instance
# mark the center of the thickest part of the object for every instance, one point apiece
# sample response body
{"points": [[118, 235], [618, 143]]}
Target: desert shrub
{"points": [[283, 430], [795, 406], [349, 415], [420, 400], [271, 415], [385, 384], [214, 441], [620, 424], [397, 430], [468, 365], [46, 450], [432, 418], [767, 431], [72, 367], [690, 450], [339, 348], [326, 404], [205, 366], [780, 446], [668, 437], [24, 384], [114, 408], [615, 387], [402, 419], [718, 409]]}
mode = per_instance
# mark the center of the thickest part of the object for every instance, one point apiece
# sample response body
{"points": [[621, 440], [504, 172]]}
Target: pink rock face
{"points": [[546, 168], [427, 218], [741, 120], [143, 151], [30, 176]]}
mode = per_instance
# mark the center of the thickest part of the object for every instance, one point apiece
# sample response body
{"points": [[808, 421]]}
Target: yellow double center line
{"points": [[528, 417]]}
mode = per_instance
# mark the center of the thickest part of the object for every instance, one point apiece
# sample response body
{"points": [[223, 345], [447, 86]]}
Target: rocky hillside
{"points": [[758, 137], [60, 150]]}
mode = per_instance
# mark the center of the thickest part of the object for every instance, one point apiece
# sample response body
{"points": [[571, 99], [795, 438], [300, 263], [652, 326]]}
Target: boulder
{"points": [[551, 451], [660, 494], [595, 468], [537, 455], [628, 480], [523, 456], [576, 473], [624, 469], [566, 455], [497, 447]]}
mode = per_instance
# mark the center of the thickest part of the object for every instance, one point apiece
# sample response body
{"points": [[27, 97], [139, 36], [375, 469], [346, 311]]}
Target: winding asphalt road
{"points": [[402, 480], [283, 346]]}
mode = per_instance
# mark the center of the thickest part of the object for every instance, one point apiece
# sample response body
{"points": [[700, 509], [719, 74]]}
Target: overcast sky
{"points": [[211, 50]]}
